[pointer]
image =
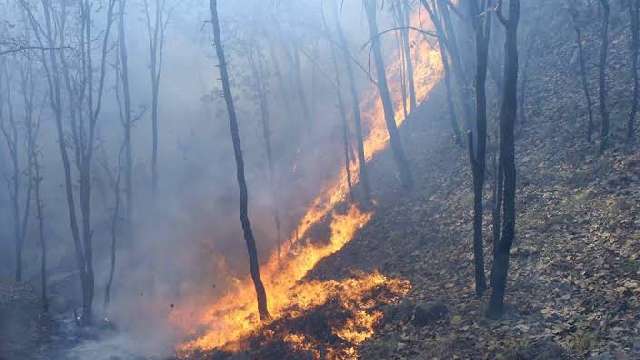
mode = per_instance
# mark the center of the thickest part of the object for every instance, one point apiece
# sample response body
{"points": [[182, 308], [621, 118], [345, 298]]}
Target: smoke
{"points": [[186, 244]]}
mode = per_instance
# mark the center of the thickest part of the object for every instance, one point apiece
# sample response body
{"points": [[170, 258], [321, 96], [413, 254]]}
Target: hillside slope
{"points": [[574, 284]]}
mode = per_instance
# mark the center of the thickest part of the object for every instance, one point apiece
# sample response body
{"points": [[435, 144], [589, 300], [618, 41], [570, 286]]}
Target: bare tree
{"points": [[436, 19], [258, 73], [126, 118], [602, 77], [115, 177], [575, 17], [156, 28], [343, 118], [634, 14], [508, 117], [387, 104], [355, 106], [481, 21], [457, 60], [32, 128], [402, 12], [522, 98], [237, 150], [9, 127], [84, 98]]}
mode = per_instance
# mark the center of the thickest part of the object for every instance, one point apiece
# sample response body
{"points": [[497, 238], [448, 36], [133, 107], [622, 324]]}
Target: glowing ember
{"points": [[234, 316]]}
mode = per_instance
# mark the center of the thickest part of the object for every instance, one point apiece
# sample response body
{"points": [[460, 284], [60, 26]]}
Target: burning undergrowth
{"points": [[334, 325]]}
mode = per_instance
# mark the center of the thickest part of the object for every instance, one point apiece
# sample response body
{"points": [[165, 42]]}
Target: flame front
{"points": [[234, 315]]}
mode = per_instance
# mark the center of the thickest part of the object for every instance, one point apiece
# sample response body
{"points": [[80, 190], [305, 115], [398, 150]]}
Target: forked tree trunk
{"points": [[237, 150], [508, 117], [387, 104]]}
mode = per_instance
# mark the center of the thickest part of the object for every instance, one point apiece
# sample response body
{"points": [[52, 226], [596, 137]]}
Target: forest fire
{"points": [[233, 316]]}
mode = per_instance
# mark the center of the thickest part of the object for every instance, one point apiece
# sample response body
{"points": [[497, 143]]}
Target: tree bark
{"points": [[355, 106], [387, 104], [155, 32], [583, 70], [478, 149], [237, 150], [522, 98], [496, 213], [436, 19], [11, 136], [508, 116], [343, 118], [457, 63], [634, 9], [258, 73], [602, 78], [405, 14], [127, 121]]}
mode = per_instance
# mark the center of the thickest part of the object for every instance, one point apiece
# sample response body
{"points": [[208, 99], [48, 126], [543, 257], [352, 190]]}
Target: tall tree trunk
{"points": [[258, 73], [399, 20], [35, 177], [634, 9], [127, 121], [10, 133], [405, 13], [508, 116], [457, 64], [237, 150], [54, 66], [115, 216], [155, 31], [355, 106], [282, 84], [297, 78], [93, 103], [43, 241], [583, 69], [522, 99], [602, 79], [478, 148], [343, 118], [436, 19], [496, 212], [385, 96]]}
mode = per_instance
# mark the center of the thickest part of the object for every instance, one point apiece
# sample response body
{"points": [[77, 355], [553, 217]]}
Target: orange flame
{"points": [[234, 316]]}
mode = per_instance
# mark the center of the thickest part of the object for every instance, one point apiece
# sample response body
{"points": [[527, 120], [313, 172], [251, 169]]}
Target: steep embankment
{"points": [[574, 288]]}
